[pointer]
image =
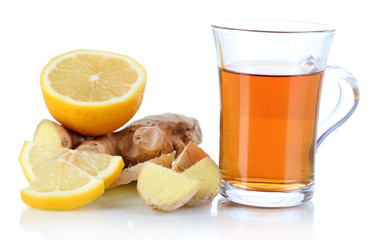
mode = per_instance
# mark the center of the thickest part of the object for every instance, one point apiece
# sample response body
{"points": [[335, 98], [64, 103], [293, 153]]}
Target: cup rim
{"points": [[273, 26]]}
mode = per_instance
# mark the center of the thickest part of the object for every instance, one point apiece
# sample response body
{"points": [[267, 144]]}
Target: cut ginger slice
{"points": [[51, 133], [47, 132], [208, 173], [190, 155], [164, 189]]}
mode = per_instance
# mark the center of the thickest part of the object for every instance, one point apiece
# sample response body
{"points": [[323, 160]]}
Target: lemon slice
{"points": [[62, 186], [64, 179], [35, 158], [93, 92], [98, 165]]}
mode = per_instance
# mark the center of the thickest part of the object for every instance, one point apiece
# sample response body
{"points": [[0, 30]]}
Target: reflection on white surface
{"points": [[106, 216], [280, 223], [121, 214]]}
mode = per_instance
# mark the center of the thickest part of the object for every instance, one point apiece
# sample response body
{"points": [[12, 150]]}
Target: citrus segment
{"points": [[99, 78], [35, 157], [98, 165], [62, 186], [64, 179], [93, 92], [60, 176]]}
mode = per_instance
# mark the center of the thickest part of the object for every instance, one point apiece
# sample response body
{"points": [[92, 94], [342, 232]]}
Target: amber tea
{"points": [[270, 80], [268, 125]]}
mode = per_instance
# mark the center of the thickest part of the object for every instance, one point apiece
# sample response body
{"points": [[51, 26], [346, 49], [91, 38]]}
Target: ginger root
{"points": [[49, 132], [164, 189], [140, 141], [196, 163], [197, 183], [189, 157], [130, 174], [208, 173]]}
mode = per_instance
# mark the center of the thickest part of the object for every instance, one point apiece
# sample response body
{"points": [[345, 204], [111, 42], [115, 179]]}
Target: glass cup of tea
{"points": [[271, 75]]}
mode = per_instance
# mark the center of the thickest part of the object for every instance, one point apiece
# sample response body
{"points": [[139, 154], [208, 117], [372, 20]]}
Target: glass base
{"points": [[267, 199]]}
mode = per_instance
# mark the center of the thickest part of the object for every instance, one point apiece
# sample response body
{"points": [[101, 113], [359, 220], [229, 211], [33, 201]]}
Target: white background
{"points": [[173, 41]]}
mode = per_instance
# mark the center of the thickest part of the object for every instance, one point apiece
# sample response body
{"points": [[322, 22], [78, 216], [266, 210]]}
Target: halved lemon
{"points": [[93, 92], [36, 158]]}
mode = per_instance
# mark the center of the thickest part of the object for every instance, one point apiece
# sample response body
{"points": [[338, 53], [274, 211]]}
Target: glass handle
{"points": [[346, 105]]}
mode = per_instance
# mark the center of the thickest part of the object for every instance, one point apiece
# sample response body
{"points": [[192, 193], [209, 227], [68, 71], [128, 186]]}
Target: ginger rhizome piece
{"points": [[140, 141], [196, 163], [190, 155], [49, 132], [131, 173], [164, 189], [208, 173]]}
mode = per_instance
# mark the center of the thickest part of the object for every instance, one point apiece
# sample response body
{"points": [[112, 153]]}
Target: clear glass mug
{"points": [[271, 74]]}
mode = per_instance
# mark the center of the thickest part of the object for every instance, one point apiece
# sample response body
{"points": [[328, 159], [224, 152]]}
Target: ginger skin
{"points": [[189, 157], [130, 174], [146, 138]]}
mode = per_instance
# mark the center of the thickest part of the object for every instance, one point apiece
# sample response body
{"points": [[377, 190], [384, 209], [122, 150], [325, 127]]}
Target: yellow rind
{"points": [[63, 201], [108, 180], [22, 159], [113, 114]]}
